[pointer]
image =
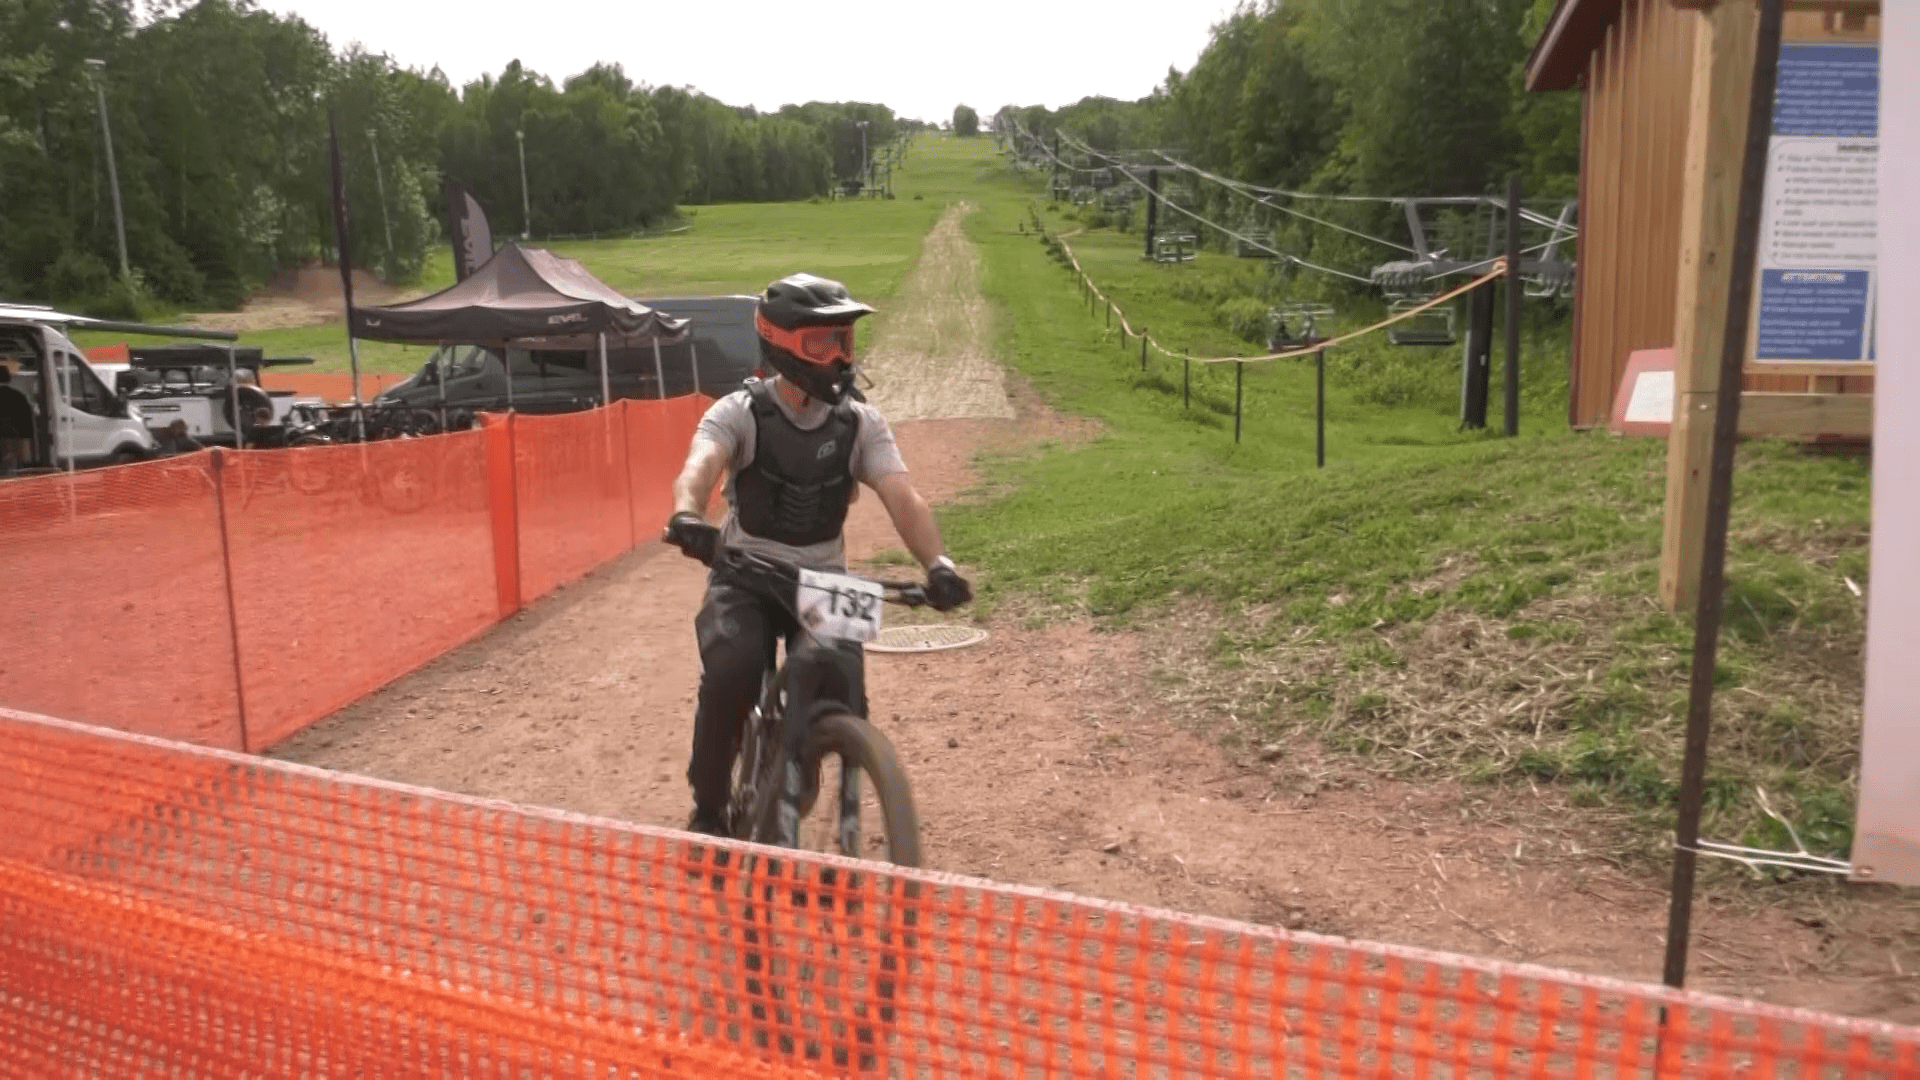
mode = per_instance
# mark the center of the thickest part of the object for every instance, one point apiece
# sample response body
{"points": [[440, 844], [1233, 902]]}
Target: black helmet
{"points": [[806, 334]]}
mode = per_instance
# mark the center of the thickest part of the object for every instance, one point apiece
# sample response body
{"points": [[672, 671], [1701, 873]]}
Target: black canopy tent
{"points": [[527, 297]]}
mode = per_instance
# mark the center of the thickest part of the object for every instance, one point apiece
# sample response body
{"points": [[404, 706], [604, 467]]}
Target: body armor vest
{"points": [[797, 488]]}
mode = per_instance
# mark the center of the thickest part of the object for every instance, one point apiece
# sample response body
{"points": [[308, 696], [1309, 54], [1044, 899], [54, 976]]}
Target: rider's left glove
{"points": [[692, 535], [946, 589]]}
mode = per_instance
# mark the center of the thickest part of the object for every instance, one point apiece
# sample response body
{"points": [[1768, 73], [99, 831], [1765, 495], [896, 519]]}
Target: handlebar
{"points": [[911, 594]]}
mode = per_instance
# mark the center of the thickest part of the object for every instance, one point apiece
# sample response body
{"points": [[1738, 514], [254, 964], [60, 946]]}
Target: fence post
{"points": [[1320, 408], [1109, 316], [1143, 348], [1513, 306], [503, 509], [1239, 377], [219, 464], [1186, 382]]}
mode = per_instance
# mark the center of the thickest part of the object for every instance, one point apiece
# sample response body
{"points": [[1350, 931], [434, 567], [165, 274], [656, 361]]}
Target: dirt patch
{"points": [[303, 296], [932, 355]]}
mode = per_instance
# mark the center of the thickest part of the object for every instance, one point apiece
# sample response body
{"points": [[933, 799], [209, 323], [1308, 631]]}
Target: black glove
{"points": [[946, 589], [693, 536]]}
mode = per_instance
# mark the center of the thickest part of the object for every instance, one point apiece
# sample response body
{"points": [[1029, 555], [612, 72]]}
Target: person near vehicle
{"points": [[793, 447], [175, 439], [16, 425]]}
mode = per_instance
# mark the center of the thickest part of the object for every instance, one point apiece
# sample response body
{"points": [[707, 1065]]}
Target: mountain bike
{"points": [[777, 801]]}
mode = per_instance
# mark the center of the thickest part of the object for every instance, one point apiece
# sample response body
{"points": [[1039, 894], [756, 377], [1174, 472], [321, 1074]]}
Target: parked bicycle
{"points": [[868, 811]]}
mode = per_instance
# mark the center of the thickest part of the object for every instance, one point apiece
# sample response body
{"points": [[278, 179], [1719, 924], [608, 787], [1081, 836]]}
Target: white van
{"points": [[55, 409]]}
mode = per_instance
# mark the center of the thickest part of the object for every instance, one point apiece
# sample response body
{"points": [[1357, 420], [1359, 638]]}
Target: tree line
{"points": [[219, 115], [1370, 97]]}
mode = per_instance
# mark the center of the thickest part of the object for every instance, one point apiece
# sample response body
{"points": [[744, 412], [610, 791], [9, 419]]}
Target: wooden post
{"points": [[1186, 382], [1143, 348], [1722, 425], [1723, 48]]}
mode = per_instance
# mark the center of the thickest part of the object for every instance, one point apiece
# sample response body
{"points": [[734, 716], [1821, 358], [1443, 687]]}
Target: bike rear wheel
{"points": [[863, 806]]}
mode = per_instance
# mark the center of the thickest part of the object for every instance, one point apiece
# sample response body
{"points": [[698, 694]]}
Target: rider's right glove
{"points": [[946, 589], [693, 536]]}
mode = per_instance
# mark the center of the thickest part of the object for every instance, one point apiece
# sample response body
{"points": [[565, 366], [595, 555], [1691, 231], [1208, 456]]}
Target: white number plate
{"points": [[837, 607]]}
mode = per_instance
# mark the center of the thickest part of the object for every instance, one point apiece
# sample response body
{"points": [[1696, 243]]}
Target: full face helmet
{"points": [[806, 334]]}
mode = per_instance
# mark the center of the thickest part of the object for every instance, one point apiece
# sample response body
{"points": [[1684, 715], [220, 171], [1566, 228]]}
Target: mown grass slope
{"points": [[1441, 601]]}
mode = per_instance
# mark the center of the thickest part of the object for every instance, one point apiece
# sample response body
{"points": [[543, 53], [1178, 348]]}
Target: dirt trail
{"points": [[932, 358], [1043, 757]]}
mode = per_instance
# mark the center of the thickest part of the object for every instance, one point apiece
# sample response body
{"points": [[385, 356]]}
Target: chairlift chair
{"points": [[1174, 248], [1434, 326], [1298, 326]]}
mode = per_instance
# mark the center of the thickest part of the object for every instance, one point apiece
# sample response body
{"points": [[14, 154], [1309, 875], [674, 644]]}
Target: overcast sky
{"points": [[920, 58]]}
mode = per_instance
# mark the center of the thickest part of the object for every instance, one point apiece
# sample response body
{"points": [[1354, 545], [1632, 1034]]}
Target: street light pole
{"points": [[98, 67], [526, 213], [380, 186]]}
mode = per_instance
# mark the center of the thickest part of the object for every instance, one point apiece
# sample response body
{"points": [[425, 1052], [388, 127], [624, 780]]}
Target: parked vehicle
{"points": [[208, 390], [55, 410], [721, 350]]}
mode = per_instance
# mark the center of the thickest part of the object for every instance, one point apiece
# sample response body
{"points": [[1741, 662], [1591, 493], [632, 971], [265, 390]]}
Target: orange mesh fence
{"points": [[658, 433], [230, 599], [171, 908], [571, 485], [351, 566], [113, 603]]}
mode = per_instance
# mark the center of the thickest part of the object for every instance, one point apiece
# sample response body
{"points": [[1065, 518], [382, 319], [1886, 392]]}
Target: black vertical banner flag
{"points": [[341, 231], [467, 227]]}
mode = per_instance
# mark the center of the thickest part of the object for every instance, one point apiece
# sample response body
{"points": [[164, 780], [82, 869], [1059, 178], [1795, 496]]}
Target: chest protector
{"points": [[797, 488]]}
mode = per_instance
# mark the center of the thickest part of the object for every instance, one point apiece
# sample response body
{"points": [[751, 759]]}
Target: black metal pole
{"points": [[1239, 375], [1477, 363], [1514, 295], [1320, 408], [1726, 426], [1153, 206]]}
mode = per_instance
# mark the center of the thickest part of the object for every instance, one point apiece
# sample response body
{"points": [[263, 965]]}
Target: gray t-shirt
{"points": [[729, 425]]}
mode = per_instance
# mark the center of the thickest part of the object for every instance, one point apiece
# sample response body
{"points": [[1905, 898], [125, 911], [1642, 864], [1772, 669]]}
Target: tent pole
{"points": [[353, 355], [693, 357], [233, 401], [506, 366], [606, 384], [659, 374]]}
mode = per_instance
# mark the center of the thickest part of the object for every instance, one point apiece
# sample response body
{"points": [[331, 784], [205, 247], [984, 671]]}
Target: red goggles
{"points": [[820, 345]]}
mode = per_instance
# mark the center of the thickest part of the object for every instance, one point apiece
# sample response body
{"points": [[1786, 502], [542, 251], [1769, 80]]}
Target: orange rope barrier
{"points": [[1499, 271]]}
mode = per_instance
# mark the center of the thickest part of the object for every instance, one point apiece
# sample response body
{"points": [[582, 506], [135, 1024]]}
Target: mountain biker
{"points": [[793, 447]]}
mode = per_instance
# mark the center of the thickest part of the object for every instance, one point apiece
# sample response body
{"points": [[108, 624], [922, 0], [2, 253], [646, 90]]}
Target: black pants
{"points": [[736, 629]]}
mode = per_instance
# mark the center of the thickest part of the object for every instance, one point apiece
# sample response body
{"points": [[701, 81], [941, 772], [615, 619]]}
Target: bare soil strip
{"points": [[932, 355]]}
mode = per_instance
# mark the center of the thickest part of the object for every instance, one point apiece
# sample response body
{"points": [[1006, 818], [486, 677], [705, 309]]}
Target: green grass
{"points": [[1446, 602], [870, 244]]}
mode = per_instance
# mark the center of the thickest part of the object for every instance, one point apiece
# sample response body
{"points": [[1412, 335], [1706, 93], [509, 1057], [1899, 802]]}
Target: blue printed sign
{"points": [[1812, 314], [1831, 90], [1819, 243]]}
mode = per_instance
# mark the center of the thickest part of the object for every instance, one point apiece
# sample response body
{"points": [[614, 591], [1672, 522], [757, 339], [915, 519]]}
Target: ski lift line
{"points": [[1126, 327], [1267, 202], [1247, 240]]}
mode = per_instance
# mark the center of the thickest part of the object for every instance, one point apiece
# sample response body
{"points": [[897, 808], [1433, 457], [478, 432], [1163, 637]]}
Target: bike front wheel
{"points": [[862, 807]]}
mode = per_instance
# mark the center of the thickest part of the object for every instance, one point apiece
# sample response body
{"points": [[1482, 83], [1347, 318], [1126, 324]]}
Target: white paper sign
{"points": [[1652, 400], [838, 607]]}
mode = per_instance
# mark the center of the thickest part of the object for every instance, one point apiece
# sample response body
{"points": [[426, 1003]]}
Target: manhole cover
{"points": [[928, 638]]}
